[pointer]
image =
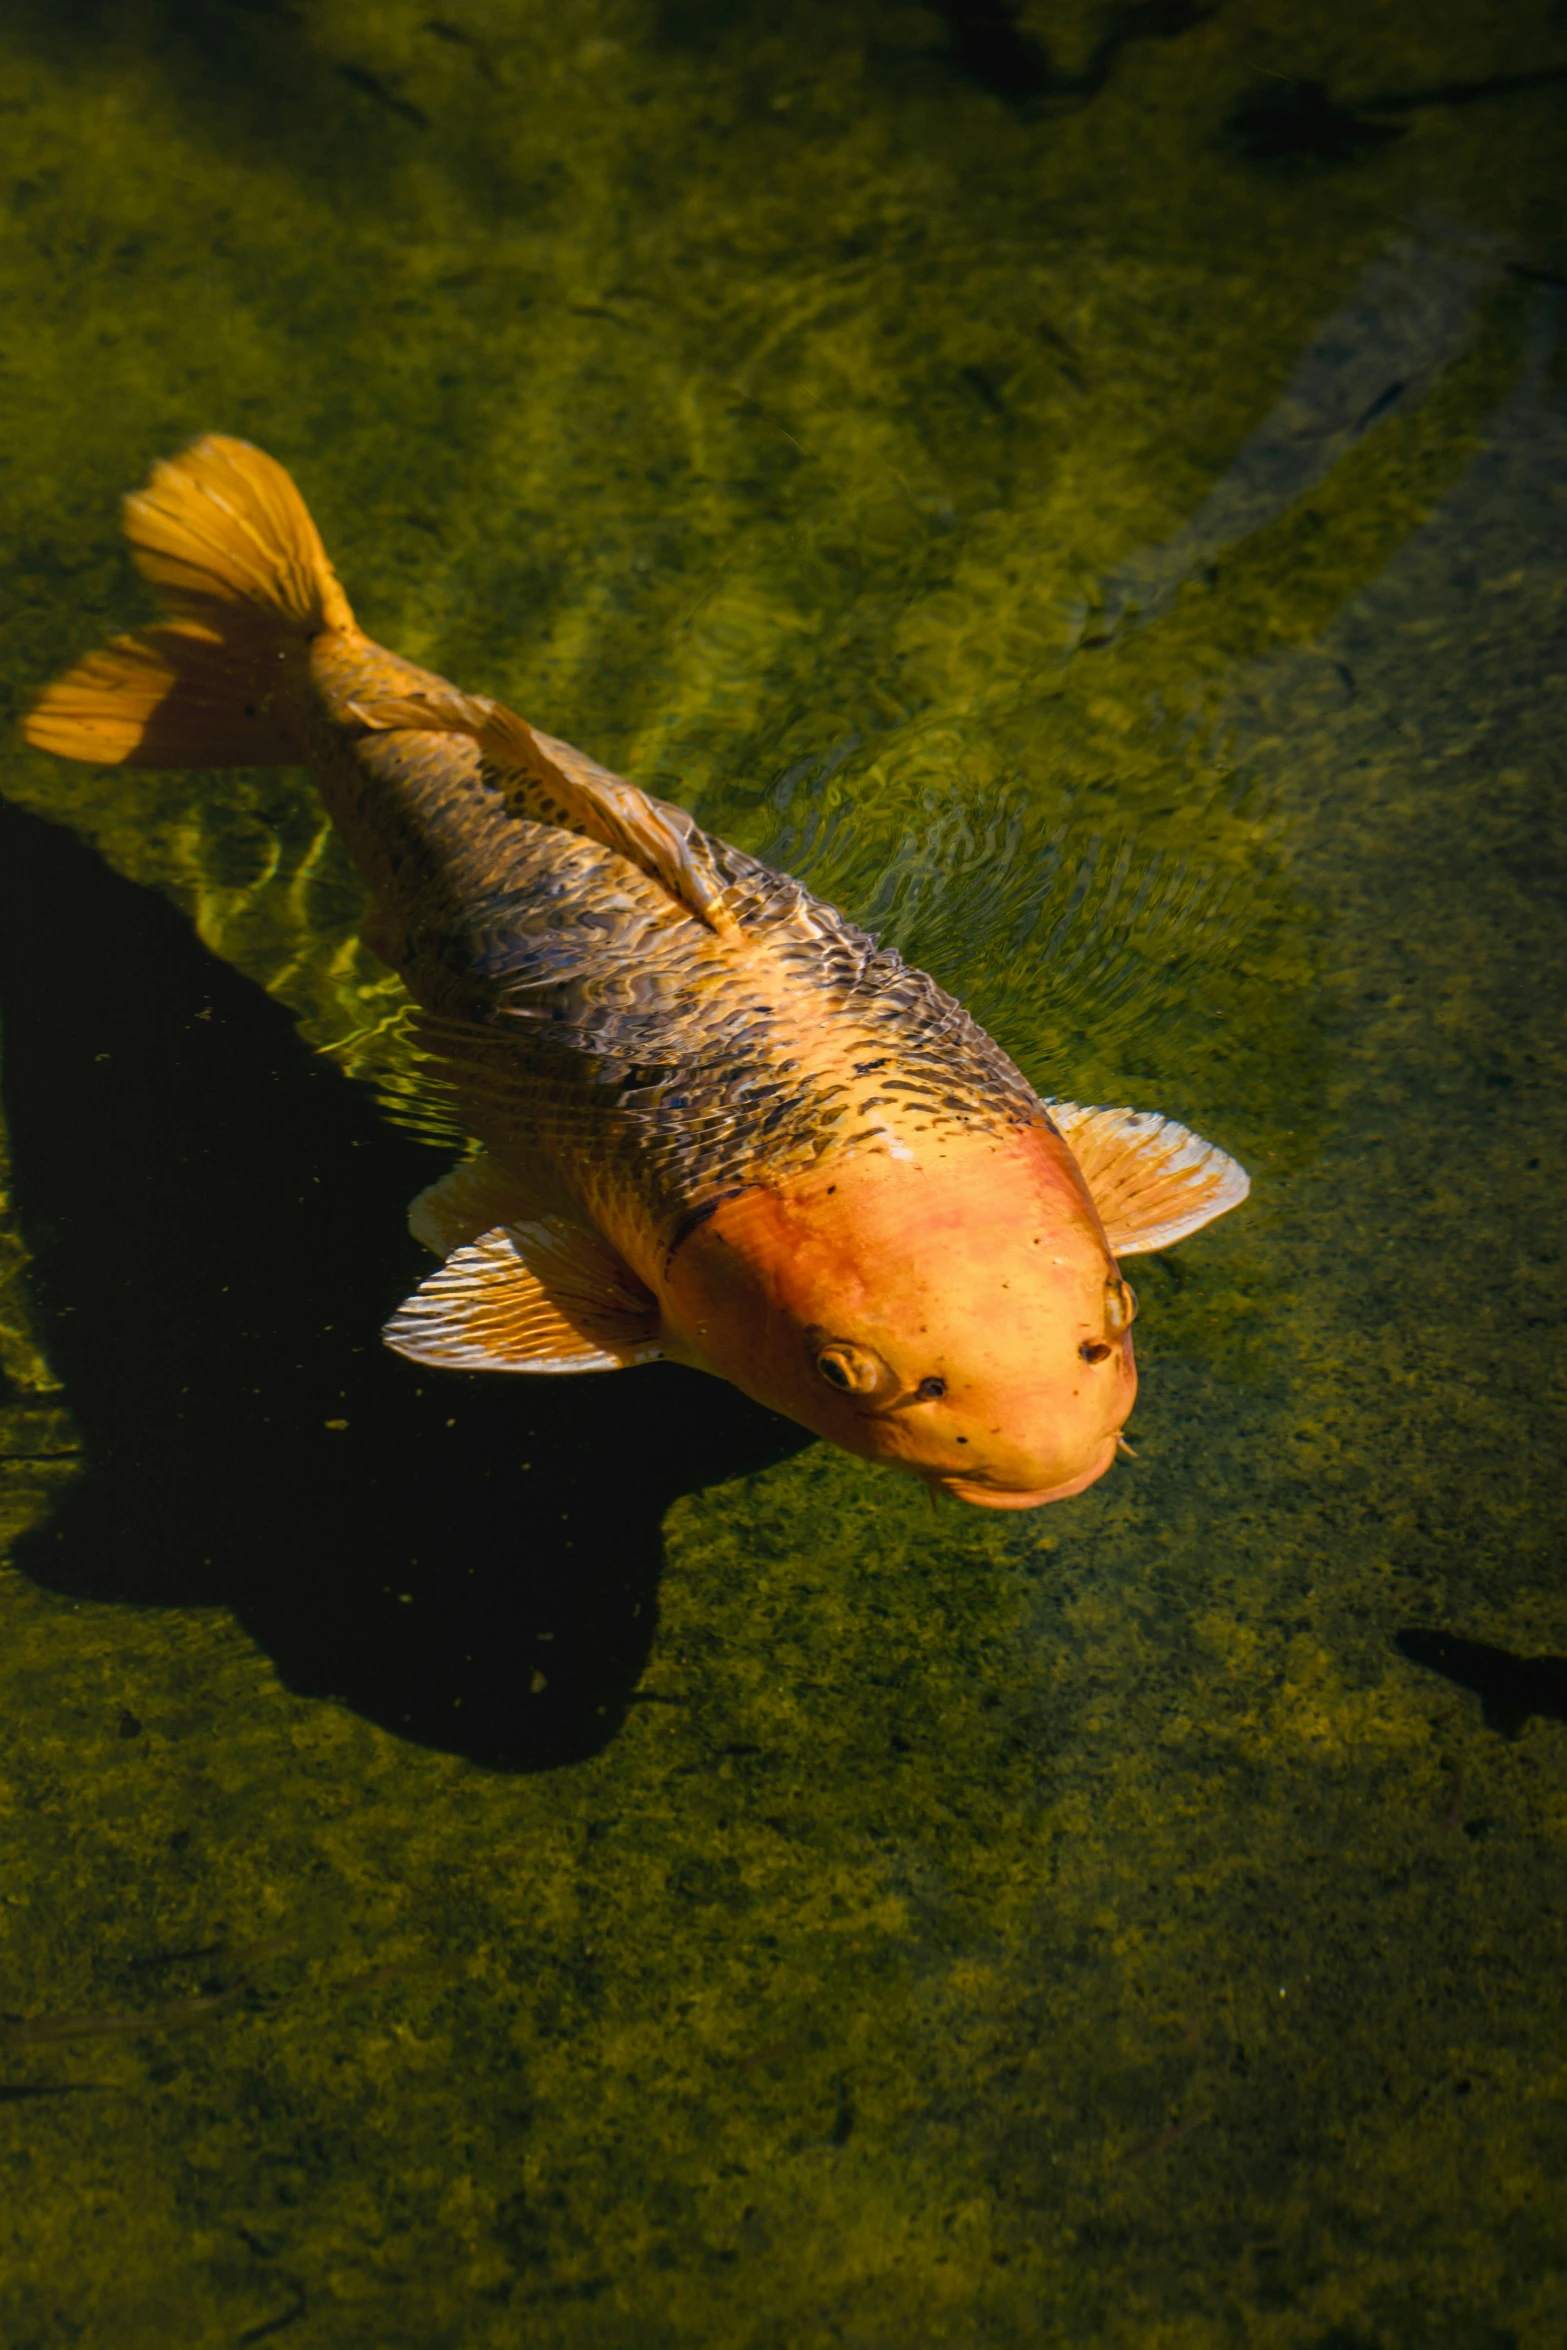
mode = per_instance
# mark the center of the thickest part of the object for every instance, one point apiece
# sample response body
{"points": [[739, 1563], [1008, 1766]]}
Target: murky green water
{"points": [[582, 1867]]}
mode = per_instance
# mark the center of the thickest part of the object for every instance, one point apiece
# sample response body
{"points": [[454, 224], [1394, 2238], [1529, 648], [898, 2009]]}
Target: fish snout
{"points": [[995, 1496]]}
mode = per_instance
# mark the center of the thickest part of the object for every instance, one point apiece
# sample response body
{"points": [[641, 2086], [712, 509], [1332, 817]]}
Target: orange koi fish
{"points": [[719, 1124]]}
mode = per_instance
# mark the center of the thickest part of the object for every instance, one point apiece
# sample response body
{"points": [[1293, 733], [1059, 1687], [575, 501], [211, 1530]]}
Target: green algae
{"points": [[1082, 1927]]}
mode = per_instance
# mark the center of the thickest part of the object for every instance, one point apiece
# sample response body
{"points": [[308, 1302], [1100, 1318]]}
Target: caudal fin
{"points": [[228, 546]]}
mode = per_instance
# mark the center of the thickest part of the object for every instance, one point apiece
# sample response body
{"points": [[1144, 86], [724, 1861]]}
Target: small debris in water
{"points": [[171, 2015], [1455, 1796], [13, 2092], [1162, 2139]]}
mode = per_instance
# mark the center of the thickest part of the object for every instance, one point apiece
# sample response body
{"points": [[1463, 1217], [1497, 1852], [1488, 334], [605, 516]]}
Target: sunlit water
{"points": [[501, 1863]]}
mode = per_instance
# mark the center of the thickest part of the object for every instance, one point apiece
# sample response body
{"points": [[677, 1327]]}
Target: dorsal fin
{"points": [[555, 784], [1153, 1182], [549, 1296]]}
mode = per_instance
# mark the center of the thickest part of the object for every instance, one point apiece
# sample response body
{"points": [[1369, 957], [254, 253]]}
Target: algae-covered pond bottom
{"points": [[585, 1867]]}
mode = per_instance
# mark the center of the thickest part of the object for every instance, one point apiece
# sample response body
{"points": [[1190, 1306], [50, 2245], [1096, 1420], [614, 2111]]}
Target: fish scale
{"points": [[576, 962]]}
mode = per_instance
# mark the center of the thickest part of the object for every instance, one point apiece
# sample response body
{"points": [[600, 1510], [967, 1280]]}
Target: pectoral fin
{"points": [[1153, 1182], [472, 1198], [547, 1296]]}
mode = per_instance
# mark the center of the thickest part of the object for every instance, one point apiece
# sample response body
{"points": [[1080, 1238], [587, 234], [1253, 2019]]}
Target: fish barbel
{"points": [[719, 1124]]}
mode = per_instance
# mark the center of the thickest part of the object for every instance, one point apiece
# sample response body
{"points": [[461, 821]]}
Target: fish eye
{"points": [[853, 1370], [1093, 1350], [929, 1390]]}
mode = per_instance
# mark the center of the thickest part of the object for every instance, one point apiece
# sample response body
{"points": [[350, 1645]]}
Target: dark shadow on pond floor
{"points": [[217, 1224], [1512, 1689]]}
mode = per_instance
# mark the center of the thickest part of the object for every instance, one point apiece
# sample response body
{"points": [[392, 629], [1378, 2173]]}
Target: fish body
{"points": [[719, 1123]]}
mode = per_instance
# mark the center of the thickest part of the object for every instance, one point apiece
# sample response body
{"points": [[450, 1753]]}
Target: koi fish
{"points": [[718, 1123]]}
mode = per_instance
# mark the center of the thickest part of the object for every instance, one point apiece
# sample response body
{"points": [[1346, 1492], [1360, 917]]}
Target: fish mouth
{"points": [[1009, 1497]]}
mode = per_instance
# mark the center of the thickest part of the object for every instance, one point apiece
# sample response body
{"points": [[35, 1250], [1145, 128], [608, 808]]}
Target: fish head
{"points": [[957, 1314]]}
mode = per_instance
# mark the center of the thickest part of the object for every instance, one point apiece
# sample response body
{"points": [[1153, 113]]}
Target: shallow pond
{"points": [[1086, 487]]}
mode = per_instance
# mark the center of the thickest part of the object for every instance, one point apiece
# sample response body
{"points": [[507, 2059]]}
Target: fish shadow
{"points": [[216, 1222], [1512, 1689]]}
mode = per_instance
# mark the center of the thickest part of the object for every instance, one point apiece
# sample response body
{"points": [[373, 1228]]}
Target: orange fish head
{"points": [[958, 1315]]}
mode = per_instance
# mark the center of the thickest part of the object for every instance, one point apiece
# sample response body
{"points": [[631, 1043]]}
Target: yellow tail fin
{"points": [[227, 544]]}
